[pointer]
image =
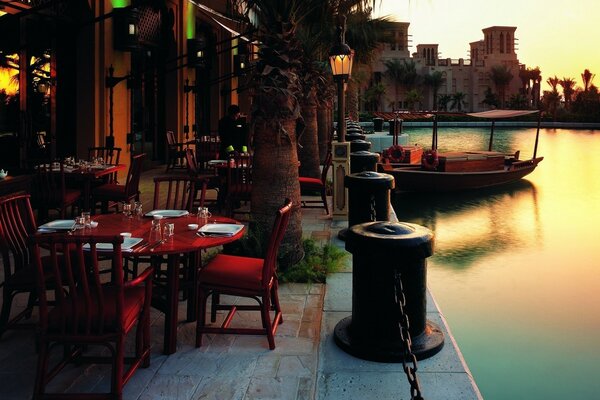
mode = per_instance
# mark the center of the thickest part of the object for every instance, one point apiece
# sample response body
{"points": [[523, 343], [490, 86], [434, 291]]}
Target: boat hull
{"points": [[416, 180]]}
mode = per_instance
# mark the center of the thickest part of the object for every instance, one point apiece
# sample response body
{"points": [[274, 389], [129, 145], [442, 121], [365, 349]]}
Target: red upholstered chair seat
{"points": [[239, 272], [132, 307], [310, 183]]}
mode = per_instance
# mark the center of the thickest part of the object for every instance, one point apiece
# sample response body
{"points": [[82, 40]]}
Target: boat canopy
{"points": [[494, 114]]}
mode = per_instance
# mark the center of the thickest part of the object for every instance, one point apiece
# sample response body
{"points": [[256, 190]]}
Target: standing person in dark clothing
{"points": [[231, 131]]}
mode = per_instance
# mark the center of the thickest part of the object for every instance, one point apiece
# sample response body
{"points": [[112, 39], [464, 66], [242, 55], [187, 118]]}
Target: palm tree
{"points": [[372, 96], [395, 71], [553, 81], [587, 77], [551, 101], [413, 97], [490, 99], [458, 101], [411, 76], [568, 85], [443, 101], [275, 110], [501, 75], [434, 81]]}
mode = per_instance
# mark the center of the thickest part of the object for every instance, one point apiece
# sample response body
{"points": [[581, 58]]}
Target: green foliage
{"points": [[318, 261]]}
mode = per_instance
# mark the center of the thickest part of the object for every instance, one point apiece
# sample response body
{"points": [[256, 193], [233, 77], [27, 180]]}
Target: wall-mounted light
{"points": [[126, 28], [196, 50]]}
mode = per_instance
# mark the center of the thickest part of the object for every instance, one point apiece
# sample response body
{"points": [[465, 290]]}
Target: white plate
{"points": [[128, 243], [168, 213], [59, 224], [220, 229], [215, 162]]}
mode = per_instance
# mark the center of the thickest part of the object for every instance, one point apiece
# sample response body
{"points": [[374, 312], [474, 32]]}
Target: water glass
{"points": [[137, 209], [155, 231], [203, 215], [87, 219], [127, 210], [79, 222], [169, 231]]}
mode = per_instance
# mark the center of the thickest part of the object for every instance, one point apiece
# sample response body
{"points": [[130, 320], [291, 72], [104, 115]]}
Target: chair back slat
{"points": [[326, 167], [132, 183], [50, 186], [192, 165], [76, 284], [279, 227], [174, 192], [110, 155], [17, 223], [207, 148]]}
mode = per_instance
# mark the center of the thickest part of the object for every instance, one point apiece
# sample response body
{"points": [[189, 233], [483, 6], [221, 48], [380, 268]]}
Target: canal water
{"points": [[516, 270]]}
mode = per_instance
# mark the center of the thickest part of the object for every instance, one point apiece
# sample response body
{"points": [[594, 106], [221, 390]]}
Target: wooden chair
{"points": [[111, 194], [89, 311], [51, 192], [207, 148], [110, 155], [175, 152], [204, 179], [313, 185], [17, 223], [254, 278], [238, 183]]}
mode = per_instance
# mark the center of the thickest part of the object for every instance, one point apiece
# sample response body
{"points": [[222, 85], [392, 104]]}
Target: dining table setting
{"points": [[180, 234]]}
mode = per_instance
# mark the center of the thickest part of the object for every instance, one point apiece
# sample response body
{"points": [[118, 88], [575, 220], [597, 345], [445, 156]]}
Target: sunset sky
{"points": [[561, 37]]}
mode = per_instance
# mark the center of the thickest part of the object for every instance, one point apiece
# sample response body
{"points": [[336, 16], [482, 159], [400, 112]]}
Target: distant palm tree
{"points": [[372, 96], [395, 71], [443, 101], [490, 99], [411, 76], [458, 101], [553, 81], [434, 81], [587, 77], [413, 97], [551, 101], [518, 101], [568, 85], [501, 75]]}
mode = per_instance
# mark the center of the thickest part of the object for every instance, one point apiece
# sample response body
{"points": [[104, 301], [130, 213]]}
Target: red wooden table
{"points": [[185, 241], [88, 176]]}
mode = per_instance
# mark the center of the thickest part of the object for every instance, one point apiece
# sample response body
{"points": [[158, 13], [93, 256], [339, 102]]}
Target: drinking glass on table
{"points": [[127, 210], [203, 215], [87, 219]]}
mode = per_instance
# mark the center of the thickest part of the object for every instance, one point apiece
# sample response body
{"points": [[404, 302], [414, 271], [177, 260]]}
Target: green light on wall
{"points": [[191, 22], [119, 3]]}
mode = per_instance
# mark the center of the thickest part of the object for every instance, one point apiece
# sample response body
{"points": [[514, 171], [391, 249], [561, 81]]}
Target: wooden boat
{"points": [[455, 171]]}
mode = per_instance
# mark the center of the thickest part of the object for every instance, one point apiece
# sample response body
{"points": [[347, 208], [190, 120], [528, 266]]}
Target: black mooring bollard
{"points": [[368, 196], [379, 249], [359, 144], [363, 161]]}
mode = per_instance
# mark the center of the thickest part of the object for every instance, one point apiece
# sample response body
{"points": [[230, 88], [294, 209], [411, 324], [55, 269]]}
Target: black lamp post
{"points": [[340, 58]]}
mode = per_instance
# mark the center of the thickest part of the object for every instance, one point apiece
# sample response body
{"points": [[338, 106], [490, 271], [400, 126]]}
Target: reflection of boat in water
{"points": [[470, 226], [456, 171]]}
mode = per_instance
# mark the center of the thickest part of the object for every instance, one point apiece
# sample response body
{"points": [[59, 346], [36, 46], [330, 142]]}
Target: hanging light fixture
{"points": [[126, 35]]}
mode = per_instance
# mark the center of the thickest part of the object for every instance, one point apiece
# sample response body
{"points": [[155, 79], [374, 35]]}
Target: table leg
{"points": [[195, 260], [170, 339], [87, 194]]}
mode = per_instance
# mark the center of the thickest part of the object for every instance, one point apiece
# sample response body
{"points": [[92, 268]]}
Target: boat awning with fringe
{"points": [[494, 114]]}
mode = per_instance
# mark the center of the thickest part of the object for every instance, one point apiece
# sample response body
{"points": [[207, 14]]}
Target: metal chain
{"points": [[403, 325], [373, 208]]}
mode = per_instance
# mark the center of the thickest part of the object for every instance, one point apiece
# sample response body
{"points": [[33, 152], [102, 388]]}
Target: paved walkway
{"points": [[305, 365]]}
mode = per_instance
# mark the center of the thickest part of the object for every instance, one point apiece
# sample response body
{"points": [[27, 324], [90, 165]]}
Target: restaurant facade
{"points": [[83, 73]]}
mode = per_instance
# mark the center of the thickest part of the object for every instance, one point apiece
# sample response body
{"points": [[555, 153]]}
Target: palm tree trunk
{"points": [[323, 129], [308, 151], [275, 178], [352, 99]]}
